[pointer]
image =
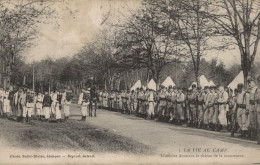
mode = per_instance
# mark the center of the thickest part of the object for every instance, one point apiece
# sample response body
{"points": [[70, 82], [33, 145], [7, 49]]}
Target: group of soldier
{"points": [[215, 108], [24, 104]]}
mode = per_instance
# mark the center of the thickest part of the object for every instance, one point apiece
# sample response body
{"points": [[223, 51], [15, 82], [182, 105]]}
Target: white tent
{"points": [[138, 84], [238, 79], [203, 82], [211, 83], [167, 82], [152, 84]]}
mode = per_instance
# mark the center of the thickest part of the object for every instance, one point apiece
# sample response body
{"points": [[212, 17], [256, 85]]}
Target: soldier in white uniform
{"points": [[56, 106], [39, 100], [223, 108], [242, 103], [66, 101], [180, 106], [84, 101], [7, 107]]}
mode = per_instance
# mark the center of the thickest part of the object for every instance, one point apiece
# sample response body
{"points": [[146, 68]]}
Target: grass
{"points": [[71, 135]]}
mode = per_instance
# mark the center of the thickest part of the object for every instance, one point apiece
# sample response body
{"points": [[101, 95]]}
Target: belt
{"points": [[243, 106]]}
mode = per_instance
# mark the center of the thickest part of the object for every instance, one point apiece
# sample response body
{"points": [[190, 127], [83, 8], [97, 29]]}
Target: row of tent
{"points": [[203, 82]]}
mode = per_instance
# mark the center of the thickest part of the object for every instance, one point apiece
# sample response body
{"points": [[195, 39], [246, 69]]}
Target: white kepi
{"points": [[237, 80], [138, 84], [168, 81], [152, 84]]}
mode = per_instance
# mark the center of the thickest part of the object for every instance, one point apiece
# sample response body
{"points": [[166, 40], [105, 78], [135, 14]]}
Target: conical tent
{"points": [[237, 80], [167, 82], [203, 82], [138, 84], [211, 83], [152, 84]]}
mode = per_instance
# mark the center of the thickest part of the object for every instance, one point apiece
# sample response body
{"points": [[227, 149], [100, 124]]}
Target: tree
{"points": [[240, 19], [144, 41], [193, 28]]}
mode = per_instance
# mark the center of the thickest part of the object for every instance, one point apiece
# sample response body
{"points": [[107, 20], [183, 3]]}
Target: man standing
{"points": [[258, 111], [127, 97], [150, 99], [39, 100], [212, 115], [84, 98], [252, 129], [242, 103], [170, 104], [180, 106], [162, 103], [133, 102], [201, 96], [46, 103], [193, 106], [222, 101], [207, 104], [29, 105]]}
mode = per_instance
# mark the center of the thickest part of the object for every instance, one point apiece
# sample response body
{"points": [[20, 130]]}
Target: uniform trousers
{"points": [[47, 111], [222, 116], [194, 112], [180, 111], [84, 109], [242, 119], [253, 116], [201, 112], [58, 111]]}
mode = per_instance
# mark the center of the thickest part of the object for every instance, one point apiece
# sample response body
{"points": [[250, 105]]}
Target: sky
{"points": [[66, 36]]}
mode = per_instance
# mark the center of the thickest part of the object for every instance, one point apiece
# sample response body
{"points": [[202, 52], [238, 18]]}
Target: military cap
{"points": [[240, 86], [212, 87], [170, 87], [162, 86], [193, 86], [137, 88], [199, 88], [141, 88], [174, 87], [206, 87]]}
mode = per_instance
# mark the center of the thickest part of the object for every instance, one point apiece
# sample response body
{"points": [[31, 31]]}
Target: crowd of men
{"points": [[24, 104], [215, 108]]}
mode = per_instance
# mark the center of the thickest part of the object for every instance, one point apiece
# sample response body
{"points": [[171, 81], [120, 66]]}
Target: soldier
{"points": [[56, 101], [180, 98], [104, 99], [188, 113], [119, 103], [215, 120], [170, 104], [207, 105], [6, 108], [201, 96], [213, 111], [150, 99], [111, 100], [29, 105], [162, 103], [258, 111], [252, 129], [133, 101], [193, 106], [66, 101], [140, 102], [84, 103], [47, 105], [223, 106], [1, 101], [123, 101], [145, 103], [39, 100], [127, 97], [233, 112], [242, 109]]}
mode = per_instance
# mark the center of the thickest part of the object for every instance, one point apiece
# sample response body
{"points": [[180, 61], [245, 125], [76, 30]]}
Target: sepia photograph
{"points": [[129, 82]]}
